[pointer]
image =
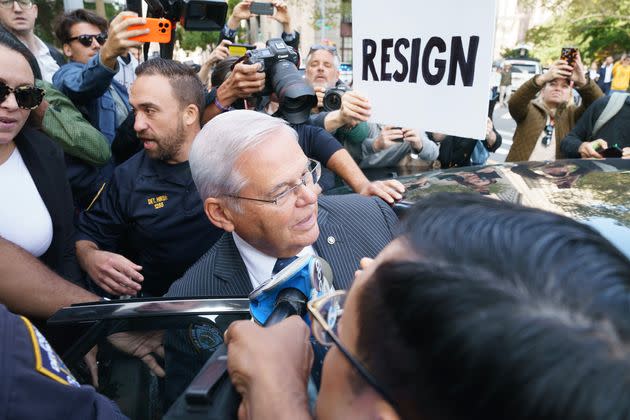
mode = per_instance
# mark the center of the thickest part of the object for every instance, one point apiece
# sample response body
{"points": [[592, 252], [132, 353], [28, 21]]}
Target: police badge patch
{"points": [[205, 336], [47, 362]]}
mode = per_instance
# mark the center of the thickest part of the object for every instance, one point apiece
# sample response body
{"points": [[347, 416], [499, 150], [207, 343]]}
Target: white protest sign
{"points": [[425, 64]]}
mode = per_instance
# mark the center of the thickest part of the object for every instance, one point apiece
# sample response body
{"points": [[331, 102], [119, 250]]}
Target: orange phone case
{"points": [[159, 31]]}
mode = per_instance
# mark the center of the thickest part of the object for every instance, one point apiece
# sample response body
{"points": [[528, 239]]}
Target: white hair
{"points": [[221, 142], [336, 60]]}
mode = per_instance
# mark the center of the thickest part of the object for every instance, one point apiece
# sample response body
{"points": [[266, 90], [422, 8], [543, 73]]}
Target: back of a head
{"points": [[222, 71], [9, 41], [498, 319]]}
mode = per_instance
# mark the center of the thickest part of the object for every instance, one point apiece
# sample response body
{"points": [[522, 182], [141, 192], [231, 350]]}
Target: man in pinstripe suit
{"points": [[259, 187]]}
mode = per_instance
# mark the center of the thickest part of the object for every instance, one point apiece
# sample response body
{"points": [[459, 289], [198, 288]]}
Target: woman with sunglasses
{"points": [[543, 120], [36, 211]]}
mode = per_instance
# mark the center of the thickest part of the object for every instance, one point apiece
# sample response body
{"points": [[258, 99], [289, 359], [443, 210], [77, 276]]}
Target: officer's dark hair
{"points": [[69, 19], [8, 40], [186, 85], [221, 71], [510, 312]]}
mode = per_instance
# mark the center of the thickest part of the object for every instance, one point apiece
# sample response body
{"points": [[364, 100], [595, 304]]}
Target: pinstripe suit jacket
{"points": [[351, 227]]}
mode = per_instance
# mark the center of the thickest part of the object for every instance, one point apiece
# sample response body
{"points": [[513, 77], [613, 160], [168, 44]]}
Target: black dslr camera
{"points": [[332, 97], [279, 62]]}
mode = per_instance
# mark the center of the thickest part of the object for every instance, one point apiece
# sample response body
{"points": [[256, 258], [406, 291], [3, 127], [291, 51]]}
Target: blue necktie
{"points": [[282, 263]]}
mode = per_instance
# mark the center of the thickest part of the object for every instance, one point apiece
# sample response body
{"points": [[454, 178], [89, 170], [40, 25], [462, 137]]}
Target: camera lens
{"points": [[332, 100], [296, 96]]}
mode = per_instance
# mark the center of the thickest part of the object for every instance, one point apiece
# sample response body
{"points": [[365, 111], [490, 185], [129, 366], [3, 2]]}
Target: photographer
{"points": [[441, 325], [316, 143], [281, 14], [543, 121]]}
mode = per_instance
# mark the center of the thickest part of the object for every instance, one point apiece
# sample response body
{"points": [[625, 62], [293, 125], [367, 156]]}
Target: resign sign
{"points": [[425, 64]]}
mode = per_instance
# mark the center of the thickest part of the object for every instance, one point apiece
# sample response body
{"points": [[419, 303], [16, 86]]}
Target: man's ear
{"points": [[66, 50], [218, 213], [191, 115]]}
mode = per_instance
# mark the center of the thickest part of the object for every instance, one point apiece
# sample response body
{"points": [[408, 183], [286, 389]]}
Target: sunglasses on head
{"points": [[27, 97], [86, 40], [323, 47], [546, 141]]}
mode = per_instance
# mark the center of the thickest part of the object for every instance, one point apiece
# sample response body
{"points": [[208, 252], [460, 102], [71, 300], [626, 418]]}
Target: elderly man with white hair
{"points": [[259, 187]]}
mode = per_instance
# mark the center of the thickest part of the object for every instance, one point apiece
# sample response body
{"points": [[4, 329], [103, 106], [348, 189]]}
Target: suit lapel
{"points": [[230, 274], [334, 244]]}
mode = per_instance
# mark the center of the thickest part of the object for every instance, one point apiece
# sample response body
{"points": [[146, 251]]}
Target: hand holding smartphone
{"points": [[261, 8], [159, 31], [569, 54]]}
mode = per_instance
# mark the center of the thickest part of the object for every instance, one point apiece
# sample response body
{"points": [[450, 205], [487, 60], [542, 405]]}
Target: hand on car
{"points": [[626, 153], [118, 35], [491, 136], [113, 273], [588, 149], [389, 190], [267, 364], [355, 108], [143, 345]]}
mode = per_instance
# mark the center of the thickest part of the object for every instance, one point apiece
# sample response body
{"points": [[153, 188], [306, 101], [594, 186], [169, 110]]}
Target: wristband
{"points": [[221, 107]]}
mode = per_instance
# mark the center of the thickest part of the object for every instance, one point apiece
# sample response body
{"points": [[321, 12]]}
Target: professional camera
{"points": [[332, 97], [279, 62]]}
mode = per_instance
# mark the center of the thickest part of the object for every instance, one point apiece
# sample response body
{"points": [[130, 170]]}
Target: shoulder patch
{"points": [[205, 336], [47, 362]]}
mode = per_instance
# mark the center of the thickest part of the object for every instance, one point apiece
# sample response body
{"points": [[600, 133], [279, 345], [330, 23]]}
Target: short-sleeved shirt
{"points": [[320, 145], [152, 214], [35, 383]]}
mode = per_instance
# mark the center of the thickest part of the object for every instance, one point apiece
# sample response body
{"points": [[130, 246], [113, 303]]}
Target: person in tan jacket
{"points": [[543, 121]]}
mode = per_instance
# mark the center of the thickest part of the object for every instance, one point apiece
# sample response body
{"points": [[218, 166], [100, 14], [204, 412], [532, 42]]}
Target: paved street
{"points": [[505, 125]]}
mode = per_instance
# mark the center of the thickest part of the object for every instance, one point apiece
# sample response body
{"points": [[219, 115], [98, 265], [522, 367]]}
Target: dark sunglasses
{"points": [[546, 141], [86, 40], [322, 47], [27, 97]]}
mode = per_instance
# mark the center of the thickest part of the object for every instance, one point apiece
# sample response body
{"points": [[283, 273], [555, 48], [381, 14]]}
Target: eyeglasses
{"points": [[86, 40], [317, 47], [310, 178], [546, 141], [24, 4], [327, 311], [27, 97]]}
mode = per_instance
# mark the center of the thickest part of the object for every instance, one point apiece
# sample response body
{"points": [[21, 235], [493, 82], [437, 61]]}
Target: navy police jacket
{"points": [[35, 383], [152, 214]]}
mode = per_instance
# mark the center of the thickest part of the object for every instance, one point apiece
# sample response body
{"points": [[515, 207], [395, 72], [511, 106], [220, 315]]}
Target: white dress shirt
{"points": [[260, 265], [47, 64]]}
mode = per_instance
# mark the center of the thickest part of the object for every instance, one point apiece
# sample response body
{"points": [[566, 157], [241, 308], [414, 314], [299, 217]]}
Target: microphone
{"points": [[211, 394]]}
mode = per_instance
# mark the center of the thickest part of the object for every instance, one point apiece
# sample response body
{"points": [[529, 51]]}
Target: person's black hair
{"points": [[69, 19], [184, 81], [9, 40], [506, 316]]}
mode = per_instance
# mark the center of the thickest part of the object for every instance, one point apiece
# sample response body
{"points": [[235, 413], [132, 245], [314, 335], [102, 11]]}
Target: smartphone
{"points": [[612, 152], [159, 30], [261, 8], [569, 54], [400, 140], [239, 50]]}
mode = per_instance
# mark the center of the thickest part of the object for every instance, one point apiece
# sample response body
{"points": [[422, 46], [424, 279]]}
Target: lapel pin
{"points": [[331, 240]]}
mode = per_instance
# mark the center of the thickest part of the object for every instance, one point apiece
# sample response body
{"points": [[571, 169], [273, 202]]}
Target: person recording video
{"points": [[445, 324]]}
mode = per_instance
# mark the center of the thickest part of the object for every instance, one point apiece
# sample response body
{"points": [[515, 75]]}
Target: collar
{"points": [[177, 173], [260, 265], [42, 48]]}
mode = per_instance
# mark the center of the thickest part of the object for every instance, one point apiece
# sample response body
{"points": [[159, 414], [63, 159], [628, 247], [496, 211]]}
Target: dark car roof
{"points": [[596, 192]]}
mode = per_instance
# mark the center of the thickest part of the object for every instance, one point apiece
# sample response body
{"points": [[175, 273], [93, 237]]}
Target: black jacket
{"points": [[56, 55], [44, 161]]}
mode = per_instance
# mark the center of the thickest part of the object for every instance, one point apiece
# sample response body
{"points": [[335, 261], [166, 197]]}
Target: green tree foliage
{"points": [[597, 27]]}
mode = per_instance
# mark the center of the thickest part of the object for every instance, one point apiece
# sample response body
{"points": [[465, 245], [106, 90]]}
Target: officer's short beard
{"points": [[168, 148]]}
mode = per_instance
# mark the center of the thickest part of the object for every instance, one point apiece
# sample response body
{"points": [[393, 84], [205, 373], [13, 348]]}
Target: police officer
{"points": [[36, 384], [151, 212]]}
